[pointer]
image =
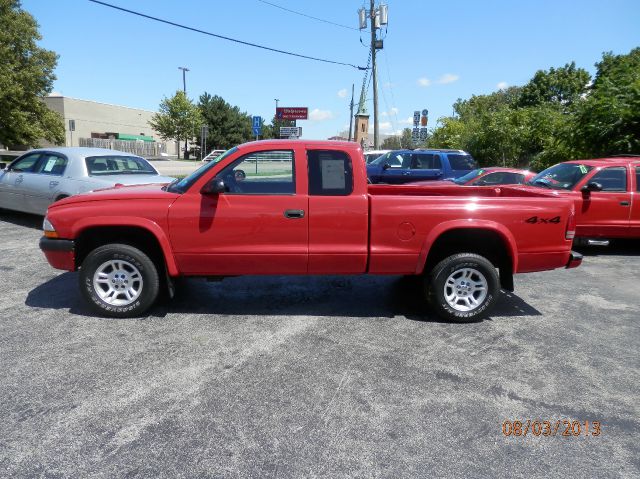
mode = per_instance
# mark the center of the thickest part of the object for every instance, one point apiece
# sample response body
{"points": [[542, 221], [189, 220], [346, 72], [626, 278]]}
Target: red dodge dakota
{"points": [[305, 207]]}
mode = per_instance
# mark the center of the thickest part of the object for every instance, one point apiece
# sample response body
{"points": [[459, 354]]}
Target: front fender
{"points": [[149, 225]]}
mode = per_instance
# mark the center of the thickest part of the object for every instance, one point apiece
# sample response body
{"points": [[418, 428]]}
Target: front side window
{"points": [[51, 165], [118, 165], [611, 179], [268, 172], [330, 173], [394, 160], [25, 164]]}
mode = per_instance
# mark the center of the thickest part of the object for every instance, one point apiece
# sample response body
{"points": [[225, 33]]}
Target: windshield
{"points": [[180, 186], [562, 176], [118, 165], [468, 177]]}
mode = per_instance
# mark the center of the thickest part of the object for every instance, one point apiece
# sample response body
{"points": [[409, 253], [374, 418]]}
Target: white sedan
{"points": [[36, 179]]}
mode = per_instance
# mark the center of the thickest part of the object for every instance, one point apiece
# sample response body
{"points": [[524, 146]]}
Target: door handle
{"points": [[624, 203], [294, 214], [53, 184], [19, 179], [406, 172]]}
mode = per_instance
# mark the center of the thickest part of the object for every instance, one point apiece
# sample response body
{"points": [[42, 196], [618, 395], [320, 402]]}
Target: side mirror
{"points": [[214, 187], [589, 187], [3, 166], [386, 166]]}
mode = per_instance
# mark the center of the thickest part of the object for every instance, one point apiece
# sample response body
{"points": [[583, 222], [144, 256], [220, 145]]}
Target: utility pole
{"points": [[184, 89], [351, 113], [378, 17], [375, 75], [276, 123]]}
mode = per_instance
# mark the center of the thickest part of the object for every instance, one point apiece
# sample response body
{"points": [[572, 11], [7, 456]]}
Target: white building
{"points": [[104, 121]]}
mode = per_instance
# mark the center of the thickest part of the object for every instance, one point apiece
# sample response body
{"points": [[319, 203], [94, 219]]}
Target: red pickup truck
{"points": [[606, 192], [304, 207]]}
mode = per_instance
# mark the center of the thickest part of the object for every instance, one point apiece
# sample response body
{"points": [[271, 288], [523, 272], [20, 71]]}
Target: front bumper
{"points": [[575, 259], [60, 253]]}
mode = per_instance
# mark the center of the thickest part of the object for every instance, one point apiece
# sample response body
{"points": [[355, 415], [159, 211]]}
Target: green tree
{"points": [[228, 126], [26, 76], [398, 142], [562, 86], [608, 120], [178, 119]]}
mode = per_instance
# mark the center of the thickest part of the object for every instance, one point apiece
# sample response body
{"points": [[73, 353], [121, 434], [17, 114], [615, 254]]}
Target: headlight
{"points": [[49, 230]]}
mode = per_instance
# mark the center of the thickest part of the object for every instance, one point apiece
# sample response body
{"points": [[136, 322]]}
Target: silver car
{"points": [[36, 179]]}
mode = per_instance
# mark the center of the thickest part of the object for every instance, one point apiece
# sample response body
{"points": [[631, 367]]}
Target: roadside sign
{"points": [[415, 135], [290, 131], [423, 134], [416, 118], [256, 121], [292, 113]]}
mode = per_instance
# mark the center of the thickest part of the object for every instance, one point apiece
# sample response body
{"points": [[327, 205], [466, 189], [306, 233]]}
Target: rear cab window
{"points": [[330, 173], [118, 165]]}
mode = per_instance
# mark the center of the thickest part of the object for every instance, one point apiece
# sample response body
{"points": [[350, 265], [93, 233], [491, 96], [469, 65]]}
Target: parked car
{"points": [[36, 179], [492, 176], [213, 155], [304, 207], [371, 155], [606, 192], [404, 166]]}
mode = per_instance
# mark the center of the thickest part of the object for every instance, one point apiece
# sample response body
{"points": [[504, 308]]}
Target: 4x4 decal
{"points": [[534, 220]]}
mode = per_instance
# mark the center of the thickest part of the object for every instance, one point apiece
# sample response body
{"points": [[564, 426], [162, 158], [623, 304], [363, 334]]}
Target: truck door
{"points": [[634, 221], [259, 226], [606, 213], [338, 215], [12, 179], [398, 170]]}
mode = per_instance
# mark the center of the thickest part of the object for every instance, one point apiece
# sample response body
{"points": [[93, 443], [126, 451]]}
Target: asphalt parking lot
{"points": [[317, 377]]}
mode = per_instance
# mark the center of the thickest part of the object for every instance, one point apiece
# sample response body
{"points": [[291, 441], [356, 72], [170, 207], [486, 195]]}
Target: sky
{"points": [[434, 52]]}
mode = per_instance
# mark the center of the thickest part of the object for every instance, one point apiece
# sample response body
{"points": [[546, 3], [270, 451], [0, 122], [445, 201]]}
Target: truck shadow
{"points": [[622, 247], [342, 296], [21, 219]]}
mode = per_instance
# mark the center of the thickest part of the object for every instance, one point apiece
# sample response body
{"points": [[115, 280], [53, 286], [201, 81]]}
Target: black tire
{"points": [[452, 303], [134, 265]]}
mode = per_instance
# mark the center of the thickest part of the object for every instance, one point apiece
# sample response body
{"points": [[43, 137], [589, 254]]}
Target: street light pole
{"points": [[184, 89]]}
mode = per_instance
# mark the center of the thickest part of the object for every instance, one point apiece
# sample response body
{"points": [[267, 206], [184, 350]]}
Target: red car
{"points": [[304, 207], [606, 192], [492, 176]]}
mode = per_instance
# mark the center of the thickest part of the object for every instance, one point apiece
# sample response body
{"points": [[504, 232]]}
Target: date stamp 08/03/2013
{"points": [[559, 427]]}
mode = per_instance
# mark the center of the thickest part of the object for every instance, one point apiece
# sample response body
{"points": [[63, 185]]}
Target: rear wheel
{"points": [[463, 287], [119, 280]]}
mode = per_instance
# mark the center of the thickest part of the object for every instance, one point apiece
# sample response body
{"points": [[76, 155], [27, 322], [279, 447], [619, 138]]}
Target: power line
{"points": [[308, 16], [226, 38]]}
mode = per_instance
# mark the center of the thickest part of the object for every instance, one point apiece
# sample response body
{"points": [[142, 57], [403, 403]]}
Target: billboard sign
{"points": [[292, 113]]}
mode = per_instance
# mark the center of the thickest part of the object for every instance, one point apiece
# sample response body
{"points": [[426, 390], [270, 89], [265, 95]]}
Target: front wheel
{"points": [[119, 281], [463, 287]]}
